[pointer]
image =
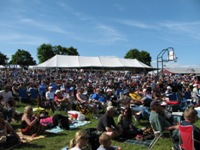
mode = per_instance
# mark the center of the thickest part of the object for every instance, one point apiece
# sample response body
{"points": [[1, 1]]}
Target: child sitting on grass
{"points": [[105, 143]]}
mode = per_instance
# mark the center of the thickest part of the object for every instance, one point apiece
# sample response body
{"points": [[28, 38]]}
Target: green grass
{"points": [[58, 141]]}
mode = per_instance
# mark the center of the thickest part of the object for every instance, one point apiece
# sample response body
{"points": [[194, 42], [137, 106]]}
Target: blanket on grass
{"points": [[28, 138], [138, 142], [77, 124], [56, 129]]}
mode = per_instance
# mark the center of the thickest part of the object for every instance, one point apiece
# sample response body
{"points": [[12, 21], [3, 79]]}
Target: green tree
{"points": [[145, 57], [133, 54], [22, 58], [45, 52], [72, 51], [142, 56], [65, 51], [3, 59]]}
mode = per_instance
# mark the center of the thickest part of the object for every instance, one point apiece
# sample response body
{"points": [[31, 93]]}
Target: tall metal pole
{"points": [[160, 59]]}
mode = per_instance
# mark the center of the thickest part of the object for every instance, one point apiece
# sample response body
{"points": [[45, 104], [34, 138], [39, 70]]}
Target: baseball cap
{"points": [[62, 89], [169, 87], [57, 91], [50, 87], [109, 90]]}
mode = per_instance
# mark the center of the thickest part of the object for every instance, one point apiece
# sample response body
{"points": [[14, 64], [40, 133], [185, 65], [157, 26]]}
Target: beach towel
{"points": [[77, 124], [56, 129], [28, 138]]}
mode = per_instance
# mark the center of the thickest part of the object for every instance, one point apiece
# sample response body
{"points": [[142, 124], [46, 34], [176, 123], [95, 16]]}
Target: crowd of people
{"points": [[128, 94]]}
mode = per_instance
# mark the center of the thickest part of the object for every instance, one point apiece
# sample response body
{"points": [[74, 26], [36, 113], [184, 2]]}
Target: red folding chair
{"points": [[186, 137], [176, 102]]}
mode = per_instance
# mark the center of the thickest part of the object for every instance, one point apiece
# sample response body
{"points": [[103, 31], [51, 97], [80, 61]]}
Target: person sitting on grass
{"points": [[105, 143], [125, 121], [107, 124], [8, 136], [79, 141], [30, 124]]}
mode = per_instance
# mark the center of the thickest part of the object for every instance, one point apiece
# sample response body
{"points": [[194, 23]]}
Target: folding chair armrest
{"points": [[197, 141], [157, 132]]}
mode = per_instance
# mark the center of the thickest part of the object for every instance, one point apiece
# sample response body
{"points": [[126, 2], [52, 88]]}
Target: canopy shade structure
{"points": [[181, 71], [66, 61]]}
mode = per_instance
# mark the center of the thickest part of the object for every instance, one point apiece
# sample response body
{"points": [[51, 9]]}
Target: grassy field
{"points": [[60, 140]]}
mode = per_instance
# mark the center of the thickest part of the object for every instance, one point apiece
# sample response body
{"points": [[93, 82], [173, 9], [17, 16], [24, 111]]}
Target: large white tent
{"points": [[66, 61]]}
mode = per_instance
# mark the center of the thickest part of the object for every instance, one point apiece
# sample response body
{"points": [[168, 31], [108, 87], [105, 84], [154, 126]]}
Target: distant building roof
{"points": [[182, 70]]}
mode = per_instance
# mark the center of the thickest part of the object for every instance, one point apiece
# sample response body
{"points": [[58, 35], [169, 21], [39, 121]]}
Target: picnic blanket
{"points": [[74, 125], [78, 123], [28, 138], [56, 129], [138, 142]]}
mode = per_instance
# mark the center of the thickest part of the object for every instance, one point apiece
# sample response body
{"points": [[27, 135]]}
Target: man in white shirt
{"points": [[50, 97]]}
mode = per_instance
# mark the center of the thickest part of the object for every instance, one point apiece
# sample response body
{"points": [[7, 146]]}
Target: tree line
{"points": [[46, 51]]}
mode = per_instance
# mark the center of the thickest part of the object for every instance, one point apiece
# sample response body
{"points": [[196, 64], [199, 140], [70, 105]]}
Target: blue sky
{"points": [[103, 27]]}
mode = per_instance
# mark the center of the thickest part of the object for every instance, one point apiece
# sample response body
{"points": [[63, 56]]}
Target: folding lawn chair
{"points": [[157, 136], [83, 109], [176, 102], [186, 138]]}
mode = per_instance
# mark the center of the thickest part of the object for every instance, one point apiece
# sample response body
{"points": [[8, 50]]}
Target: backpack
{"points": [[93, 138], [61, 121]]}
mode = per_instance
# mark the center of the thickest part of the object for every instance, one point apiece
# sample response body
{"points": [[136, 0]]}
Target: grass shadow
{"points": [[51, 135], [30, 145]]}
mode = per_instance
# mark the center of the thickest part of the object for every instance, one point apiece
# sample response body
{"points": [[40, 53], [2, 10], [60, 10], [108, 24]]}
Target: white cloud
{"points": [[109, 34], [189, 29], [43, 26], [23, 39], [137, 24]]}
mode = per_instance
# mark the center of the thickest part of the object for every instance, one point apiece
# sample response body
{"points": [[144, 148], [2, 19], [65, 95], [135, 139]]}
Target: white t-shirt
{"points": [[6, 95], [49, 95]]}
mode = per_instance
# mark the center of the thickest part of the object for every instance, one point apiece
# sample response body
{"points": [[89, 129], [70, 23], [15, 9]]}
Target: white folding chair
{"points": [[157, 136]]}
